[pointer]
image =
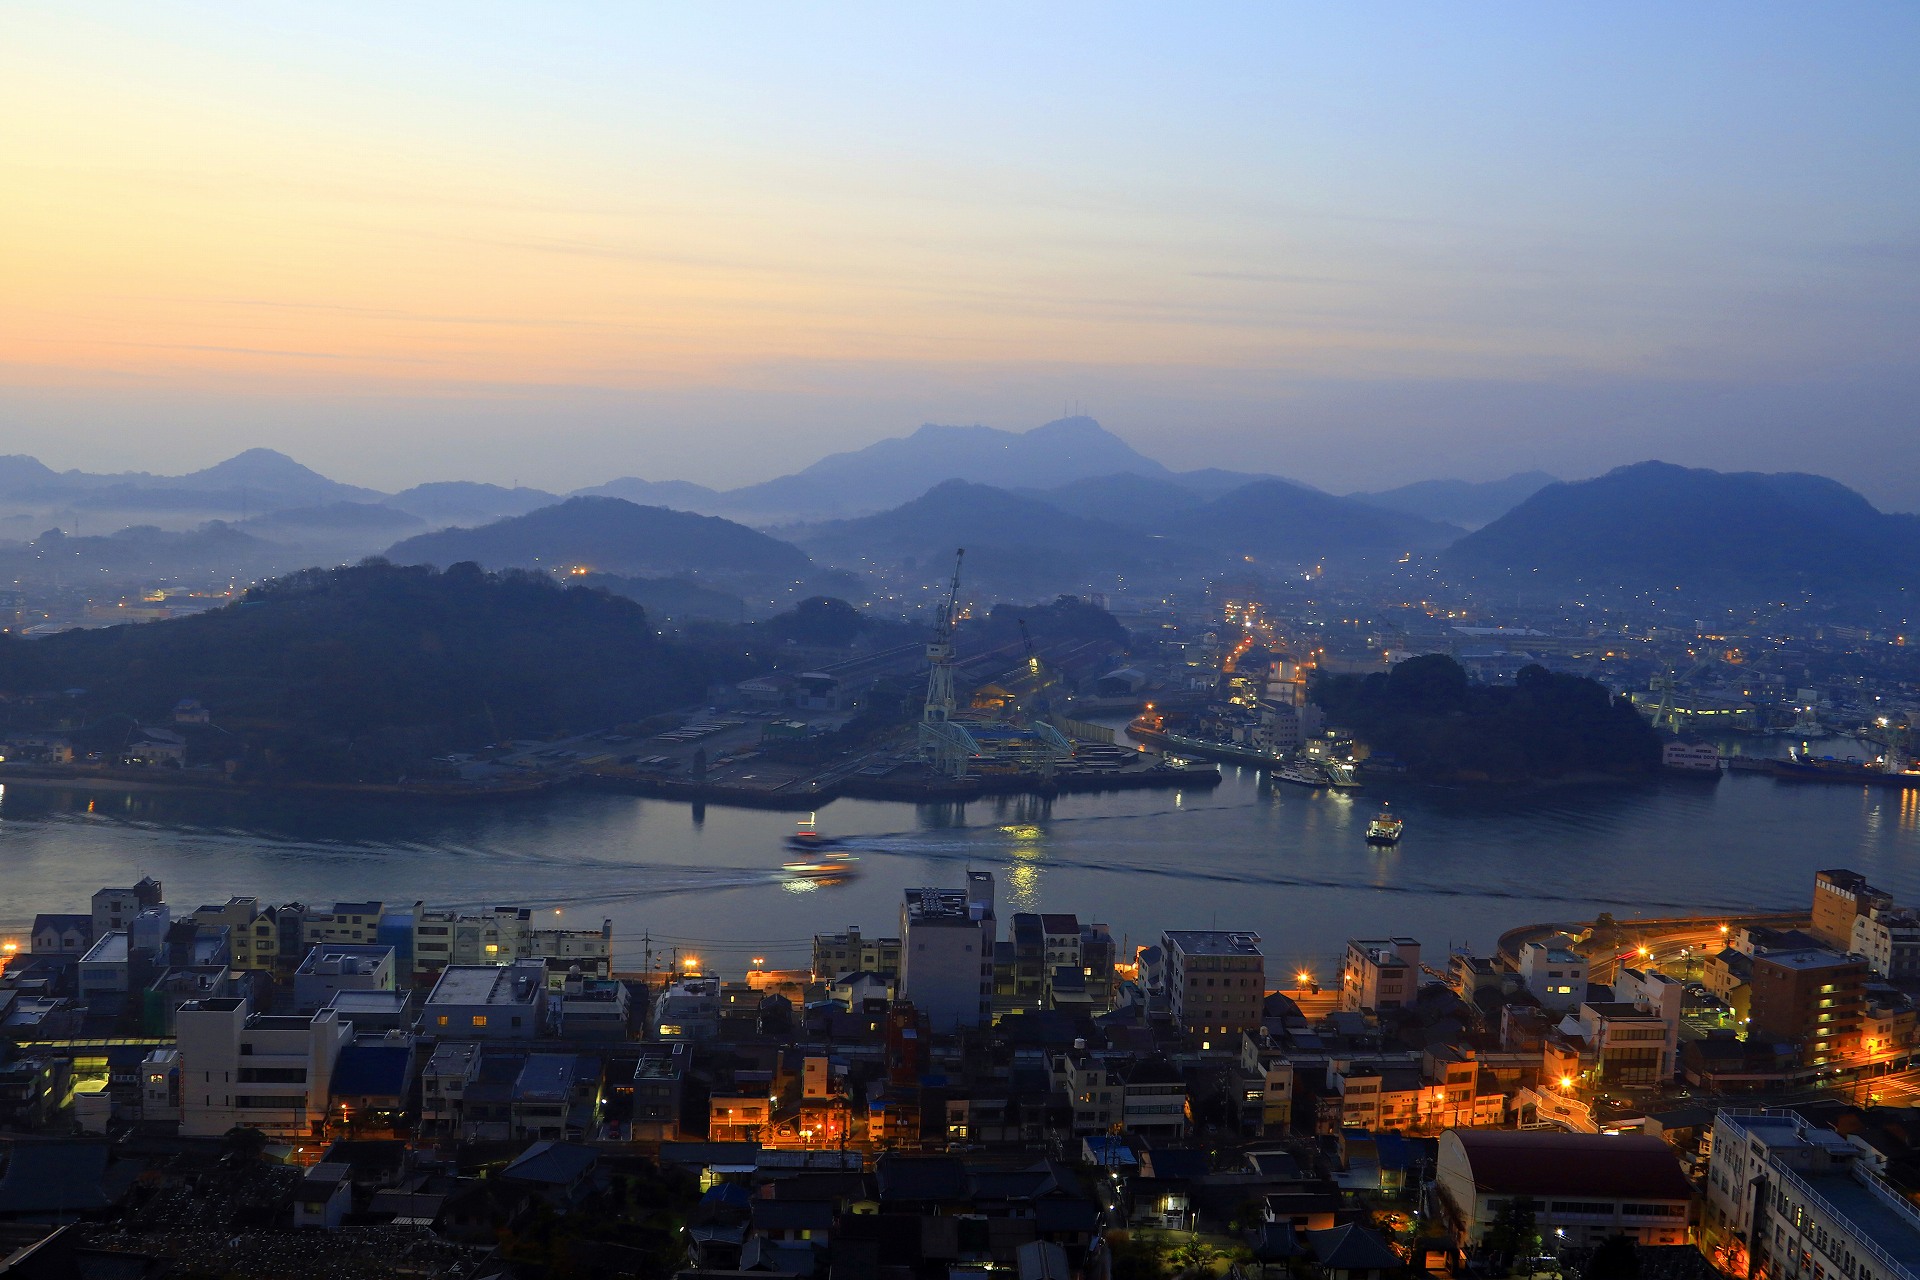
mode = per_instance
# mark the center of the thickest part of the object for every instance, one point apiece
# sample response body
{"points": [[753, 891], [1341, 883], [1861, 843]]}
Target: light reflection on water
{"points": [[1284, 861]]}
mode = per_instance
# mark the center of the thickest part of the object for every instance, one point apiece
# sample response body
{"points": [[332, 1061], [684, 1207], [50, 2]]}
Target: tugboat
{"points": [[1385, 830]]}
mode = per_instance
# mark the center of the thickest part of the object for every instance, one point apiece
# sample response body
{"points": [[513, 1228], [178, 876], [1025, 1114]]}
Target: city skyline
{"points": [[554, 247]]}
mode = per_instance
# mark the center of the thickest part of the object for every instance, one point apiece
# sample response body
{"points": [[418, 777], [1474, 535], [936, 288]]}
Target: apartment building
{"points": [[240, 1068], [1216, 984], [1380, 973], [1888, 939], [1794, 1201], [1554, 974], [254, 934], [1839, 898], [946, 959], [837, 954], [507, 934], [1813, 999]]}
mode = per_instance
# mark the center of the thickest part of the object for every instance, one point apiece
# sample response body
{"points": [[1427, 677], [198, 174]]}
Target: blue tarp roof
{"points": [[371, 1071]]}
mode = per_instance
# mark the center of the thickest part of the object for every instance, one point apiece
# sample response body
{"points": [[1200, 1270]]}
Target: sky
{"points": [[1359, 244]]}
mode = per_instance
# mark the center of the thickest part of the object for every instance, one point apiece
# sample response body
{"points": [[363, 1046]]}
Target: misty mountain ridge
{"points": [[1657, 526], [1466, 503]]}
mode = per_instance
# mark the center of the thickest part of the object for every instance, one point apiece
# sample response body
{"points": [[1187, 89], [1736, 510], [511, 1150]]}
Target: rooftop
{"points": [[1806, 961], [1539, 1162], [111, 949], [1214, 942], [470, 984], [345, 959]]}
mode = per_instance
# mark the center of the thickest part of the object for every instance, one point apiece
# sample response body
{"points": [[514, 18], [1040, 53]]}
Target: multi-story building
{"points": [[443, 1084], [1380, 973], [351, 922], [946, 952], [488, 1002], [1888, 939], [838, 954], [240, 1068], [1554, 973], [593, 1008], [255, 936], [1216, 984], [1812, 999], [1628, 1043], [504, 935], [332, 968], [1788, 1199], [1266, 1085], [106, 968], [115, 908], [659, 1085], [1839, 897], [1585, 1187]]}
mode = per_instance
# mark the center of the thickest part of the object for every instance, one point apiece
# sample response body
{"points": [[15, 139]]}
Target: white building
{"points": [[946, 953], [1553, 973], [242, 1068], [329, 970], [1888, 939]]}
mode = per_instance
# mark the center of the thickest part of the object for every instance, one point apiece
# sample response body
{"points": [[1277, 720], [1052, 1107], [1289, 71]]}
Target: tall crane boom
{"points": [[945, 742], [940, 702]]}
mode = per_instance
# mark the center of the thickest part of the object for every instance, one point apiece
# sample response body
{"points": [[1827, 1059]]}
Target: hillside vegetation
{"points": [[365, 673], [1428, 714]]}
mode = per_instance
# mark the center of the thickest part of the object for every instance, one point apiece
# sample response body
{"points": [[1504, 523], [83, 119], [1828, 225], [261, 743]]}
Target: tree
{"points": [[1514, 1233], [1617, 1258]]}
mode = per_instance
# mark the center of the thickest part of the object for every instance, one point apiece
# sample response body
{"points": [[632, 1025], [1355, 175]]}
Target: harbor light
{"points": [[1303, 977], [1566, 1082], [691, 962]]}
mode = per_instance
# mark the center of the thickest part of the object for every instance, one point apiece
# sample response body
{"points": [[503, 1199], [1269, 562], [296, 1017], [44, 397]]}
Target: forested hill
{"points": [[612, 536], [1428, 714], [365, 673]]}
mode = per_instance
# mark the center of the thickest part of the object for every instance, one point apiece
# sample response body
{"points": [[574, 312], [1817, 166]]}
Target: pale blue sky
{"points": [[1358, 244]]}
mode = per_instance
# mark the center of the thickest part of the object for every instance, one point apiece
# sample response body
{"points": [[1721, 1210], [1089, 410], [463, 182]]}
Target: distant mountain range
{"points": [[1466, 503], [610, 535], [1656, 526], [1064, 503]]}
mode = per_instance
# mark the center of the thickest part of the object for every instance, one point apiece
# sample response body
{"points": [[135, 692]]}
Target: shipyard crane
{"points": [[944, 740], [1664, 714]]}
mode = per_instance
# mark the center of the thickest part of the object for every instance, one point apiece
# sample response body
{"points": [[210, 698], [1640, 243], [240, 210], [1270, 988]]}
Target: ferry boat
{"points": [[827, 867], [1385, 829]]}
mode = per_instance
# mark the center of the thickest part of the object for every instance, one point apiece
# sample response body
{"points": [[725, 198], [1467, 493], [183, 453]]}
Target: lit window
{"points": [[479, 1019]]}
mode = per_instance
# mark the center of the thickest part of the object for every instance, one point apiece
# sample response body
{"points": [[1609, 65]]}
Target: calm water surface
{"points": [[1284, 861]]}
